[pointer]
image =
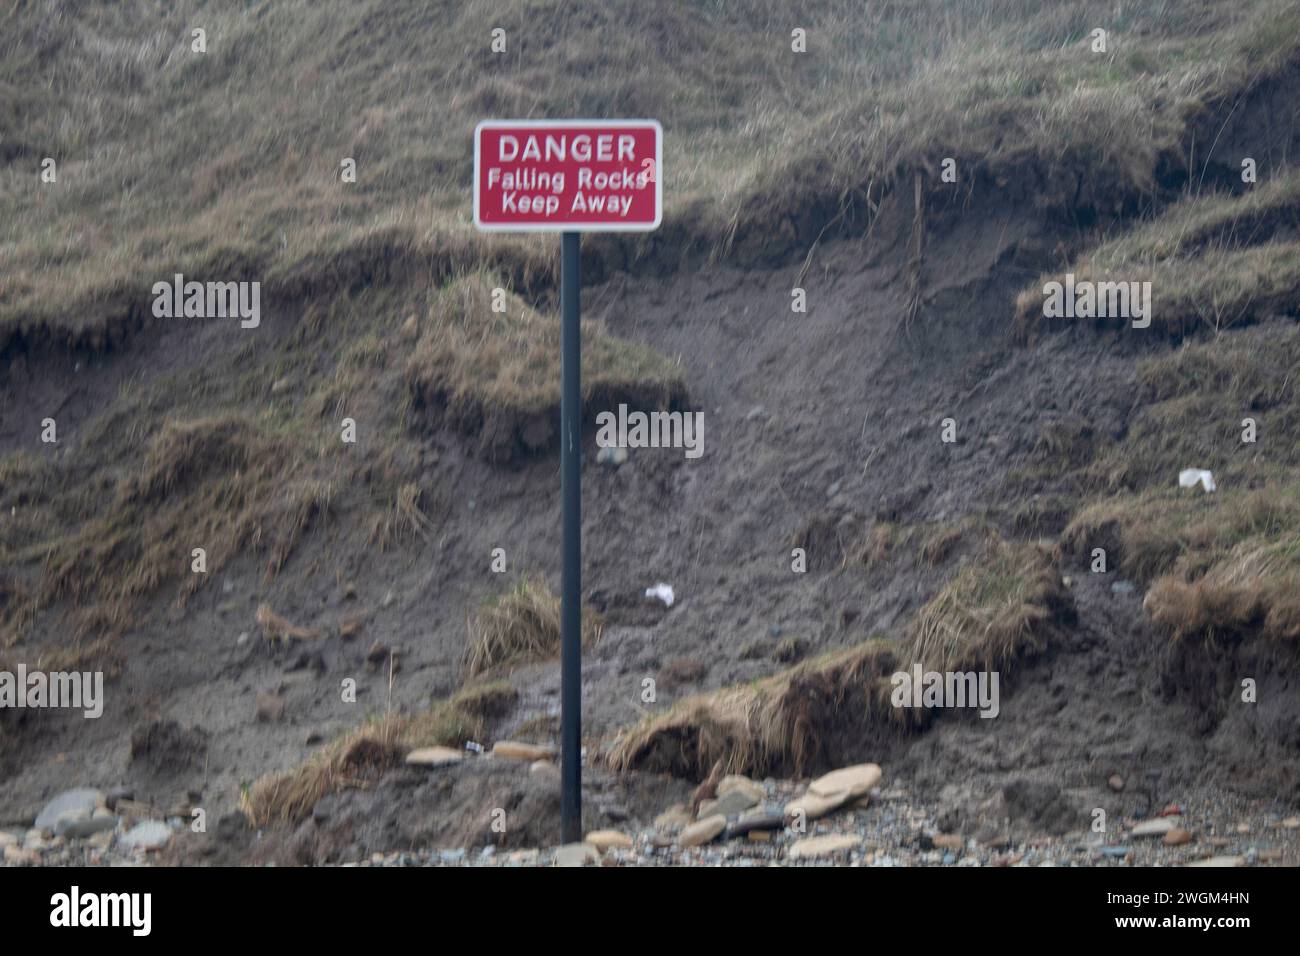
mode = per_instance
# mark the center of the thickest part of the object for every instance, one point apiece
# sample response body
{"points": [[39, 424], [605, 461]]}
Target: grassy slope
{"points": [[227, 163], [1215, 261]]}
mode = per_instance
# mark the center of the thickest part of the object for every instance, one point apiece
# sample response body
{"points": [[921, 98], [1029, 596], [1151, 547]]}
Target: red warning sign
{"points": [[568, 175]]}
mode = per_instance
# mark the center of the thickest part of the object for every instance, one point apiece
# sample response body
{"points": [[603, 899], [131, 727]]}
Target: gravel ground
{"points": [[896, 829], [892, 827]]}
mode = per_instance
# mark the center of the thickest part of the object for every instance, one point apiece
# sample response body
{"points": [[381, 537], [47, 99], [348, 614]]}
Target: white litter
{"points": [[663, 592], [1191, 477]]}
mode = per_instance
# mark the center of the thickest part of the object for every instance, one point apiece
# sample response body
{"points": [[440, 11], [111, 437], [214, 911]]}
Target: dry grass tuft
{"points": [[1222, 566], [404, 521], [1209, 608], [1251, 591], [933, 543], [363, 756], [998, 608], [879, 542], [522, 625], [356, 760], [487, 701], [788, 723]]}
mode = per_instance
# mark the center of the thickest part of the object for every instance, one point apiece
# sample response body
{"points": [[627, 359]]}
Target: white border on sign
{"points": [[574, 226]]}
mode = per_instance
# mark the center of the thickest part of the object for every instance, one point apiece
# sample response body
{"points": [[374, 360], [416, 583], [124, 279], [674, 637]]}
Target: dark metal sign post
{"points": [[571, 575], [571, 177]]}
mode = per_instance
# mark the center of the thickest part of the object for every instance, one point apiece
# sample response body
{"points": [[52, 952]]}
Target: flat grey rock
{"points": [[73, 804], [147, 835]]}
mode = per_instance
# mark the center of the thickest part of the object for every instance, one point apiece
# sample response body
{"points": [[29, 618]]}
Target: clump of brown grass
{"points": [[1218, 566], [354, 761], [488, 701], [496, 374], [932, 543], [879, 542], [521, 625], [786, 723], [1207, 608], [1253, 590], [999, 607], [940, 544], [403, 521], [361, 757]]}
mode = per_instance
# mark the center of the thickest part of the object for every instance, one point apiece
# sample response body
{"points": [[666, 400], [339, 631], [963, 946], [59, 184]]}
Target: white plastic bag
{"points": [[663, 592], [1190, 477]]}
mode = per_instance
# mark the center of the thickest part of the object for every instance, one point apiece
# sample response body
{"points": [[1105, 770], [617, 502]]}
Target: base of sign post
{"points": [[571, 574]]}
